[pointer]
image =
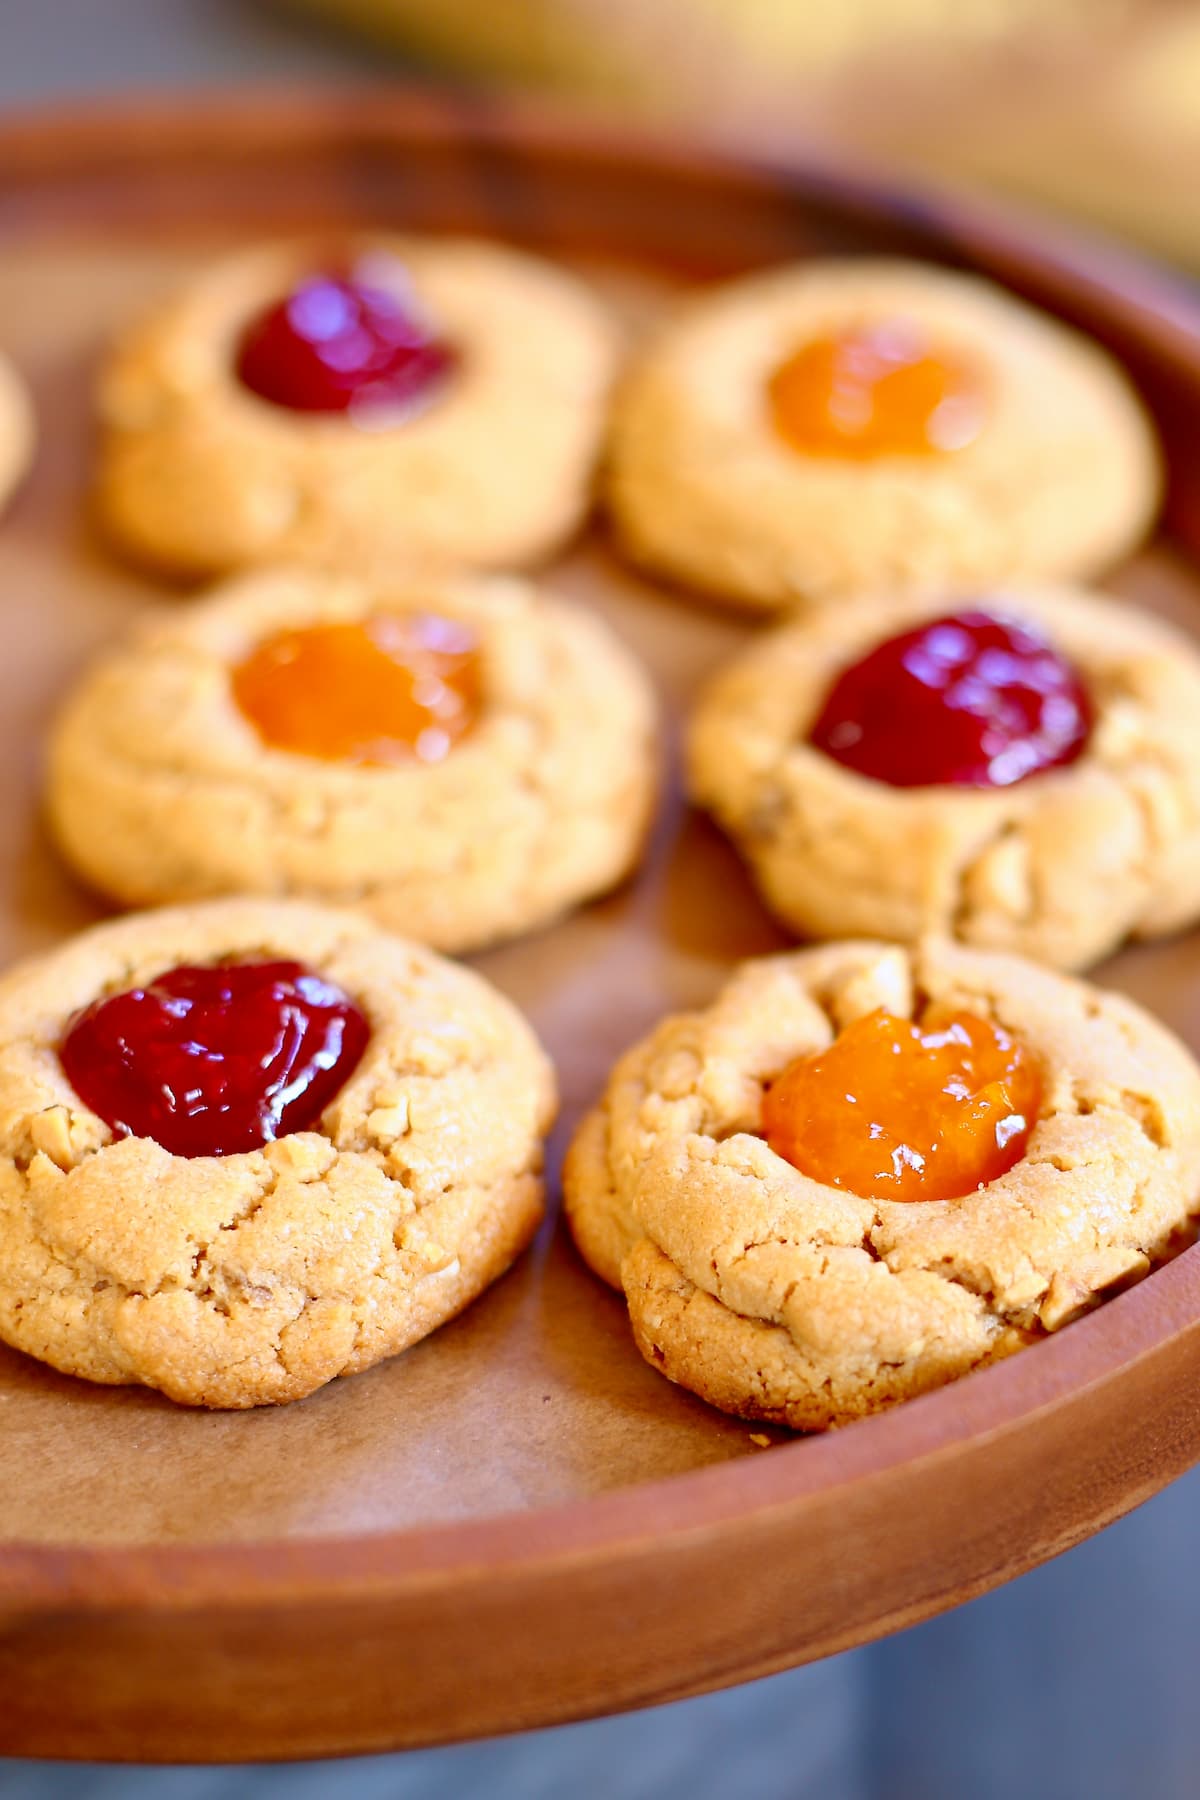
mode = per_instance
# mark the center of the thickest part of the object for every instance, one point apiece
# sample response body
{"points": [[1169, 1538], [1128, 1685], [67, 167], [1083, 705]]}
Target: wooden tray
{"points": [[517, 1522]]}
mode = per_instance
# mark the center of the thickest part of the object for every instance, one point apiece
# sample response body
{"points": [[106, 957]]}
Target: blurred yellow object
{"points": [[1090, 105], [670, 54], [1111, 133], [1162, 81]]}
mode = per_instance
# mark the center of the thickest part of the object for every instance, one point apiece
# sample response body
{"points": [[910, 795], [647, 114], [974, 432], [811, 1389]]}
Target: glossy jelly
{"points": [[215, 1060], [390, 689], [342, 341], [894, 1110], [969, 700], [876, 390]]}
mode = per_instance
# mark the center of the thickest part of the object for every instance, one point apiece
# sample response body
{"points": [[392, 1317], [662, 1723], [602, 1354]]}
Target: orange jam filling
{"points": [[899, 1111], [388, 690], [875, 390]]}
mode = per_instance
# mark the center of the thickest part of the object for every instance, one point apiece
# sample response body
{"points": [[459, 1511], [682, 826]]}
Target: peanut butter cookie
{"points": [[799, 1281], [1021, 773], [300, 1146], [16, 429], [381, 401], [833, 426], [463, 759]]}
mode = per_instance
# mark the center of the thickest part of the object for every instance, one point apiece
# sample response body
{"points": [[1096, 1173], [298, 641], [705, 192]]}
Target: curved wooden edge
{"points": [[145, 128], [372, 1627], [1150, 1321], [371, 1630]]}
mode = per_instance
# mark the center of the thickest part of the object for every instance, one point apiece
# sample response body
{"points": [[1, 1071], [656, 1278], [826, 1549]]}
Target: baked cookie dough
{"points": [[160, 788], [777, 1297], [253, 1279], [1060, 867], [1062, 477], [16, 429], [200, 476]]}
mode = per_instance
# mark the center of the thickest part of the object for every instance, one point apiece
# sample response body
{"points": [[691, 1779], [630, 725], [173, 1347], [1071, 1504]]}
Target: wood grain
{"points": [[518, 1522]]}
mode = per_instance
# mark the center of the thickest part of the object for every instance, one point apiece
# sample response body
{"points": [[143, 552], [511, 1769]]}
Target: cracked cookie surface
{"points": [[1061, 867], [1062, 478], [255, 1278], [16, 429], [776, 1297], [199, 476], [160, 790]]}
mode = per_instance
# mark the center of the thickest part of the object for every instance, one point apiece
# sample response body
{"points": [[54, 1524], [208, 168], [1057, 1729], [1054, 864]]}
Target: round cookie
{"points": [[199, 476], [1062, 477], [779, 1297], [16, 429], [248, 1279], [1061, 867], [160, 788]]}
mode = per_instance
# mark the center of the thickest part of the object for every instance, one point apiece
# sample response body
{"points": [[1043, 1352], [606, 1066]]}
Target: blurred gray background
{"points": [[1077, 1681]]}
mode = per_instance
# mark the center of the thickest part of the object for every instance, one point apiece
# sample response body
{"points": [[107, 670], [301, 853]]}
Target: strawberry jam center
{"points": [[345, 340], [385, 690], [969, 700], [876, 390], [215, 1060], [899, 1111]]}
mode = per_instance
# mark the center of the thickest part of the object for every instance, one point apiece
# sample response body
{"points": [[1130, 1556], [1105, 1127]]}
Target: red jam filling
{"points": [[343, 340], [970, 700], [899, 1111], [212, 1061]]}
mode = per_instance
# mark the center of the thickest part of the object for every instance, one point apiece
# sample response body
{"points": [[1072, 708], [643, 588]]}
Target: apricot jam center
{"points": [[381, 691], [899, 1111], [346, 340], [215, 1060], [968, 700], [876, 390]]}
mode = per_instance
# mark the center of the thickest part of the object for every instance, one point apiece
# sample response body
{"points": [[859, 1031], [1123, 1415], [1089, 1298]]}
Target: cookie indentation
{"points": [[216, 1060], [907, 1111], [879, 388], [347, 341], [380, 690], [970, 699]]}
